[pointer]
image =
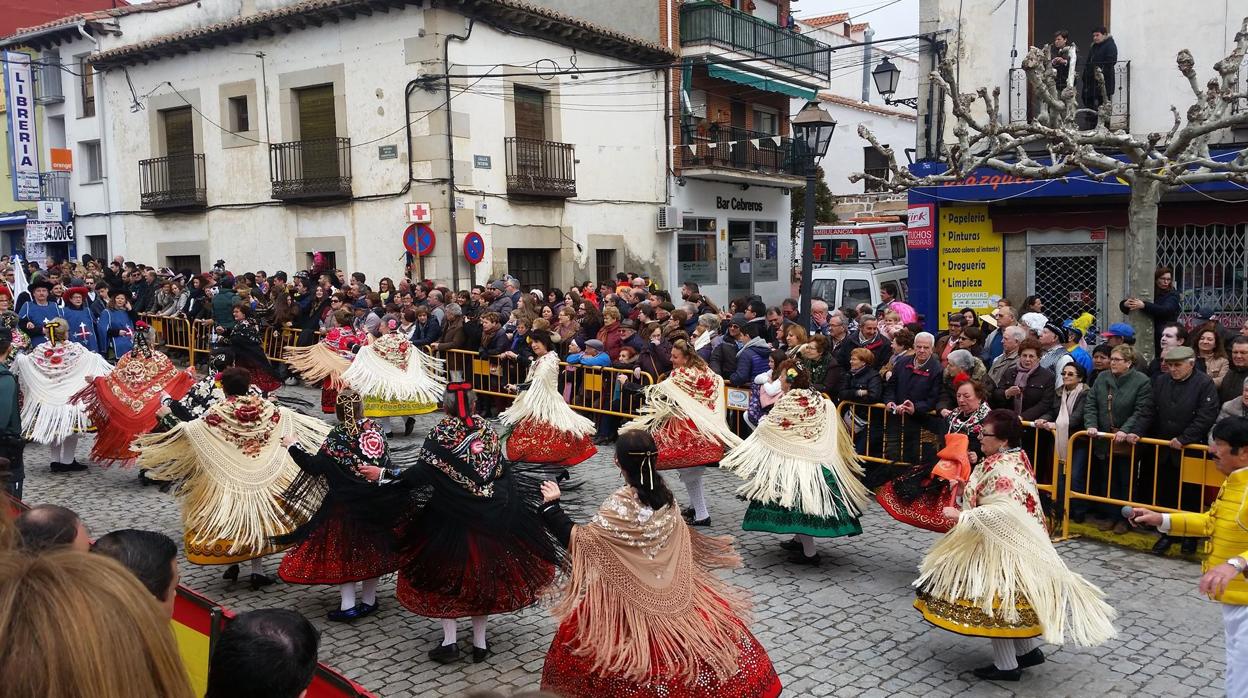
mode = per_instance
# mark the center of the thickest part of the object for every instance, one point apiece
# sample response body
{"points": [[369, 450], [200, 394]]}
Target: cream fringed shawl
{"points": [[782, 462], [672, 399], [50, 376], [999, 554], [543, 402], [317, 362], [392, 369], [234, 470], [643, 597]]}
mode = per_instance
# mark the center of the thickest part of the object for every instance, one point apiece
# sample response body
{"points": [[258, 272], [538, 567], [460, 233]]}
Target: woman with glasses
{"points": [[1163, 309], [995, 574], [1119, 403], [1068, 401]]}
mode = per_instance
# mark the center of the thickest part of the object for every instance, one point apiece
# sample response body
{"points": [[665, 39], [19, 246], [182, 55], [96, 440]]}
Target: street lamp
{"points": [[812, 131], [887, 76]]}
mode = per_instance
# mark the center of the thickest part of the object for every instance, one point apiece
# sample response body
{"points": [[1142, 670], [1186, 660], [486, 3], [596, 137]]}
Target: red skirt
{"points": [[535, 442], [493, 581], [263, 379], [571, 676], [681, 445], [926, 512], [329, 397], [340, 550]]}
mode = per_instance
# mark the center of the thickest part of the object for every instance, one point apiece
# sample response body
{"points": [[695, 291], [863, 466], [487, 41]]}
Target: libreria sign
{"points": [[23, 145]]}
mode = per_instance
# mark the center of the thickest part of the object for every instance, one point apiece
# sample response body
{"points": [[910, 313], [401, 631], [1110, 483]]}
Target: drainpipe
{"points": [[450, 146], [866, 65], [101, 106]]}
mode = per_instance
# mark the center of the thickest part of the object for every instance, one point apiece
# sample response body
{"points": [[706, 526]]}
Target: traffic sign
{"points": [[474, 248], [419, 239], [419, 213]]}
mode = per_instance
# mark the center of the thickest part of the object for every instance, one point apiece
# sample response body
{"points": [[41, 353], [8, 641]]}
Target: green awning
{"points": [[759, 82]]}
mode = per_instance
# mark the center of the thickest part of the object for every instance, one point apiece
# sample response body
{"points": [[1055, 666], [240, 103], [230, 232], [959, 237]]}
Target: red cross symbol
{"points": [[83, 333], [418, 213], [820, 250], [844, 250]]}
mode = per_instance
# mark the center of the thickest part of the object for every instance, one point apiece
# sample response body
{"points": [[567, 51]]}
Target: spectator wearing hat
{"points": [[497, 299], [1122, 333], [1186, 407], [1053, 343], [1237, 371], [630, 338], [1075, 347]]}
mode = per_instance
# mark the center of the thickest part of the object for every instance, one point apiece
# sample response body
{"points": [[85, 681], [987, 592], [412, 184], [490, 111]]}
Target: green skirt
{"points": [[774, 518]]}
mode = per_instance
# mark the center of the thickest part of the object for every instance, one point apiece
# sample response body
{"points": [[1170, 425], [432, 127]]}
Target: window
{"points": [[897, 247], [92, 165], [605, 267], [180, 263], [331, 261], [856, 291], [97, 246], [766, 121], [766, 249], [87, 86], [697, 251], [238, 120], [874, 163], [825, 290]]}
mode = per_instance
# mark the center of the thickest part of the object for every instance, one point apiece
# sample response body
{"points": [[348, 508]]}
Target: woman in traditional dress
{"points": [[395, 378], [324, 362], [243, 346], [50, 375], [233, 471], [996, 573], [544, 429], [340, 544], [475, 544], [686, 414], [123, 403], [800, 470], [642, 613]]}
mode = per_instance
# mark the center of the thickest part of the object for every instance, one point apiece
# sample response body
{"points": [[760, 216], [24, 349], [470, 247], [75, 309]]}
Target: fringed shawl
{"points": [[392, 369], [317, 362], [233, 469], [123, 404], [685, 395], [642, 596], [50, 376], [782, 462], [543, 402], [999, 553]]}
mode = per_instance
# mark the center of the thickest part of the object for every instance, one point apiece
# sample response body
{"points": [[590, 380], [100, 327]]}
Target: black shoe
{"points": [[389, 435], [1032, 658], [480, 654], [701, 523], [1162, 545], [368, 609], [60, 467], [791, 545], [812, 560], [687, 512], [345, 616], [75, 466], [563, 475], [408, 425], [259, 581], [143, 478], [992, 673], [445, 654], [1188, 546], [231, 573]]}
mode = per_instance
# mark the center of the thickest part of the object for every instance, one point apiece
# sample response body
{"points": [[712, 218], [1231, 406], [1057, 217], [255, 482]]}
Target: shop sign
{"points": [[45, 232], [919, 229], [972, 260], [735, 204], [23, 139]]}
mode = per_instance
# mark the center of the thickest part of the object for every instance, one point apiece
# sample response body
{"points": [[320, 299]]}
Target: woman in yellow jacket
{"points": [[1226, 527]]}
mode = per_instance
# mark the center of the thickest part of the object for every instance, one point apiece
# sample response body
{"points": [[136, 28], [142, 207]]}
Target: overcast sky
{"points": [[887, 17]]}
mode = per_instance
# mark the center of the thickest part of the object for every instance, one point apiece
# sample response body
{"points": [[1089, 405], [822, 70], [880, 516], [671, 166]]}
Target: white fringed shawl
{"points": [[667, 400], [226, 494], [999, 554], [421, 379], [543, 402], [48, 416], [783, 461], [317, 362]]}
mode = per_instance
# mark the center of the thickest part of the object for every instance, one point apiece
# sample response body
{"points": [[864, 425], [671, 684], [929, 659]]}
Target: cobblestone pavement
{"points": [[845, 628]]}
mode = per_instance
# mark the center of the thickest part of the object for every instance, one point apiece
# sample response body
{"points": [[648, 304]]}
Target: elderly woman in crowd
{"points": [[861, 384], [962, 365], [1027, 388], [1065, 418], [706, 335], [1120, 404], [824, 371], [902, 346]]}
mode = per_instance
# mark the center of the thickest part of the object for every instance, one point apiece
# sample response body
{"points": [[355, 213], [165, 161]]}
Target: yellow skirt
{"points": [[964, 618], [217, 552], [374, 407]]}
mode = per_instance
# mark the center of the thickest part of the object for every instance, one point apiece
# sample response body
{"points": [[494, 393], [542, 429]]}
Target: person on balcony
{"points": [[1064, 55], [1102, 56]]}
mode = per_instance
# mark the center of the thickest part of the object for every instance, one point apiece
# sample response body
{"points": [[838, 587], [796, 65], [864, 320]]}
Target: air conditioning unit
{"points": [[670, 218]]}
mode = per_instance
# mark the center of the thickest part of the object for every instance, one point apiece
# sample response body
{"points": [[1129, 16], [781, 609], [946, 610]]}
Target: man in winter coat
{"points": [[724, 356], [913, 391], [1102, 55], [1233, 381], [751, 359]]}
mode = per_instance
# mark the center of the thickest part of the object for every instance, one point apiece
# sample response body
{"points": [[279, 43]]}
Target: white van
{"points": [[847, 285]]}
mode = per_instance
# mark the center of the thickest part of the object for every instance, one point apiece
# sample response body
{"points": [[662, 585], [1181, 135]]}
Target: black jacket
{"points": [[1161, 310], [867, 379], [1103, 55], [1232, 383], [919, 384], [723, 360], [1184, 410], [1037, 394]]}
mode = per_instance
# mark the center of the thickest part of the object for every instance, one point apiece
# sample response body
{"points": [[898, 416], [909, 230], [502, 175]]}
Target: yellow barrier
{"points": [[171, 333], [275, 340]]}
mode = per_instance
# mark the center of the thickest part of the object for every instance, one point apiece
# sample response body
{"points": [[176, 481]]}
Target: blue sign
{"points": [[474, 248], [419, 239]]}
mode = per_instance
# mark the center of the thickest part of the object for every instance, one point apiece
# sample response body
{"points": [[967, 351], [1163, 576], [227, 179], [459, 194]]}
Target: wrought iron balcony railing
{"points": [[721, 145], [54, 186], [318, 168], [173, 182], [537, 167], [714, 24], [1022, 107]]}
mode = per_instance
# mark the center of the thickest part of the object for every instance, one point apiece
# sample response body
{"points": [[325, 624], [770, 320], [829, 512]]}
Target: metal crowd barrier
{"points": [[171, 333], [276, 339]]}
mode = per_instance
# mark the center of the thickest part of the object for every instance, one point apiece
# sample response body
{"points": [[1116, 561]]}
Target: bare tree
{"points": [[1052, 144]]}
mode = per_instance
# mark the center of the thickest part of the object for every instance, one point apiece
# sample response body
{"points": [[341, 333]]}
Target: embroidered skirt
{"points": [[681, 445], [774, 518], [374, 407], [329, 397], [340, 550], [572, 676], [964, 618], [217, 552], [534, 442]]}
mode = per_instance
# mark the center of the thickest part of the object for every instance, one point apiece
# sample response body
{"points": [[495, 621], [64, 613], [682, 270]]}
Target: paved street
{"points": [[845, 628]]}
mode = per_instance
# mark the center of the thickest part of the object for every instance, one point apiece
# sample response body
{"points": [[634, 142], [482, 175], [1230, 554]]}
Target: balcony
{"points": [[54, 186], [711, 24], [724, 147], [541, 168], [1021, 106], [47, 72], [318, 168], [176, 182]]}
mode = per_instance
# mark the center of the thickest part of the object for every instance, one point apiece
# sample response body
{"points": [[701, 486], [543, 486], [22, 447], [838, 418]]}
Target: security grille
{"points": [[1209, 264], [1069, 280]]}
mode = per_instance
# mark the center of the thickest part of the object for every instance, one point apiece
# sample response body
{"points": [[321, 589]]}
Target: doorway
{"points": [[318, 131], [740, 262], [179, 151], [531, 267]]}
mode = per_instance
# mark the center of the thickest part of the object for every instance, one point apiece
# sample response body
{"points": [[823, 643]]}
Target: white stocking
{"points": [[450, 631], [370, 591], [257, 565], [478, 631], [348, 596], [692, 478], [1003, 656]]}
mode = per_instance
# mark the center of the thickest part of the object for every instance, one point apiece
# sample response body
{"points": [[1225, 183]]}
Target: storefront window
{"points": [[766, 242], [697, 251]]}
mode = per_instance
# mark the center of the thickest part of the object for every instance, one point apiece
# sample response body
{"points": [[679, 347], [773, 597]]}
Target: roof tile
{"points": [[825, 20]]}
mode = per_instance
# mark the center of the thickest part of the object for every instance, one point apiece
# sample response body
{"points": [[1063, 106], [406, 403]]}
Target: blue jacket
{"points": [[751, 361], [600, 359], [918, 384], [428, 333]]}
